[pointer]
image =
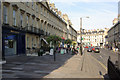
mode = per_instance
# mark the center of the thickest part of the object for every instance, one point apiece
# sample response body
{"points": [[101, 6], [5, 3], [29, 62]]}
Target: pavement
{"points": [[65, 66], [80, 67]]}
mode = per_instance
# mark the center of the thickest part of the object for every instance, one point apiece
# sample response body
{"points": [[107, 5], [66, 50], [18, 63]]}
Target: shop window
{"points": [[8, 43]]}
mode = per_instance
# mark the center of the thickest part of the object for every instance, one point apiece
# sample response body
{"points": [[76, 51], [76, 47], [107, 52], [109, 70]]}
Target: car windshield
{"points": [[96, 48]]}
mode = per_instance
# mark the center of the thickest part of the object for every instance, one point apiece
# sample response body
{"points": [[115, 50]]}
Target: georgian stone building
{"points": [[93, 37], [114, 36], [71, 32], [26, 24]]}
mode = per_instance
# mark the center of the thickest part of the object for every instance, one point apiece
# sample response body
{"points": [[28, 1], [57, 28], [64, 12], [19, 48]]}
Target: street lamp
{"points": [[81, 33]]}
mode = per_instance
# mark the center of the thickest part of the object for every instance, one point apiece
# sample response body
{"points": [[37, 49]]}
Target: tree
{"points": [[54, 39], [68, 41]]}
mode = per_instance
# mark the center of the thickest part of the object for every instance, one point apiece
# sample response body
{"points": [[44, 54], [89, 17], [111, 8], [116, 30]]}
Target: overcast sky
{"points": [[101, 12]]}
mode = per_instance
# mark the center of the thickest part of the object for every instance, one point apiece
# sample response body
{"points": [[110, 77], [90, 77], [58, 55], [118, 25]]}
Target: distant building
{"points": [[93, 37], [114, 33]]}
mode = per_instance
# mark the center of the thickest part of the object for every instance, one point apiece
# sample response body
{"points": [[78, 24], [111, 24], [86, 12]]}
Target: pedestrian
{"points": [[78, 49], [66, 50]]}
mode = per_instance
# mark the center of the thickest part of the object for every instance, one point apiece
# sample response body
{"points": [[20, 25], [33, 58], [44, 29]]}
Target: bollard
{"points": [[54, 55]]}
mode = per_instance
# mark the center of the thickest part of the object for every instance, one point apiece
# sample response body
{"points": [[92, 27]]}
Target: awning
{"points": [[44, 40], [74, 42]]}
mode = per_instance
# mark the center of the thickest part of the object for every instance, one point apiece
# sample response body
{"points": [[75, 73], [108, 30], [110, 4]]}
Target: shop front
{"points": [[13, 42]]}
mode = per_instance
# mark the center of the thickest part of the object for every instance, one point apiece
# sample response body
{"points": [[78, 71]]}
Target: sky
{"points": [[101, 12]]}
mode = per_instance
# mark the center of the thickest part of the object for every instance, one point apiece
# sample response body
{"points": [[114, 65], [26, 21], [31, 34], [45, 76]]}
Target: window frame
{"points": [[21, 20], [5, 14], [14, 17]]}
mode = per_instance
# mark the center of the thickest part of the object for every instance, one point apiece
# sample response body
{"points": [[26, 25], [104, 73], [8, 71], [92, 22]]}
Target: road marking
{"points": [[100, 63]]}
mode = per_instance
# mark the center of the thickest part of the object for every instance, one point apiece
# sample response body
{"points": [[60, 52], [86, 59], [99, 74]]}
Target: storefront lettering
{"points": [[14, 31]]}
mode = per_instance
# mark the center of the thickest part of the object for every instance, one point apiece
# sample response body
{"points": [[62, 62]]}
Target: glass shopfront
{"points": [[13, 42], [10, 45]]}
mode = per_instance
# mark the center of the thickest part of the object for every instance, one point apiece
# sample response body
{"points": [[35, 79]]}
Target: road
{"points": [[104, 55]]}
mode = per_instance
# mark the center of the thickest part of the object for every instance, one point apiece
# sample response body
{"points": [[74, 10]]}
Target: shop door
{"points": [[10, 45]]}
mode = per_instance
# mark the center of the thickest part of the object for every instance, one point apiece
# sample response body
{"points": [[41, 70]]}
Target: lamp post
{"points": [[81, 35]]}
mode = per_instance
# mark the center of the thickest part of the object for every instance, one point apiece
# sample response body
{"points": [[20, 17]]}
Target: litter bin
{"points": [[51, 51]]}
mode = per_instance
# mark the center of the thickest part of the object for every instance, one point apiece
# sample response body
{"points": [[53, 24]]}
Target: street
{"points": [[104, 55], [90, 65]]}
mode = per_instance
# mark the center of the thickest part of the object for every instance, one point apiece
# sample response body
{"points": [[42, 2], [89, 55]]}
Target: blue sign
{"points": [[11, 37]]}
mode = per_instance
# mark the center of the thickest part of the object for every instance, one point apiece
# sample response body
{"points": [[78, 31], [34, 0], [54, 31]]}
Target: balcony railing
{"points": [[34, 30], [41, 32], [37, 30], [28, 28]]}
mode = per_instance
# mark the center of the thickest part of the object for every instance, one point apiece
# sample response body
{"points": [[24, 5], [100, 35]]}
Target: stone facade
{"points": [[26, 23], [114, 36]]}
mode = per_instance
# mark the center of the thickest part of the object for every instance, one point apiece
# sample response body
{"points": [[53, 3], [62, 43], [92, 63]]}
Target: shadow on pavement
{"points": [[106, 77], [23, 67]]}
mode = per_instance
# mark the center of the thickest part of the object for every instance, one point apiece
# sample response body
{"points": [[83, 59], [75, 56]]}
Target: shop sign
{"points": [[14, 32]]}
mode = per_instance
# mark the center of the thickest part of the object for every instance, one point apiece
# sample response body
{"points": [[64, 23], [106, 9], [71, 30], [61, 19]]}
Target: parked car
{"points": [[89, 49], [97, 50]]}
